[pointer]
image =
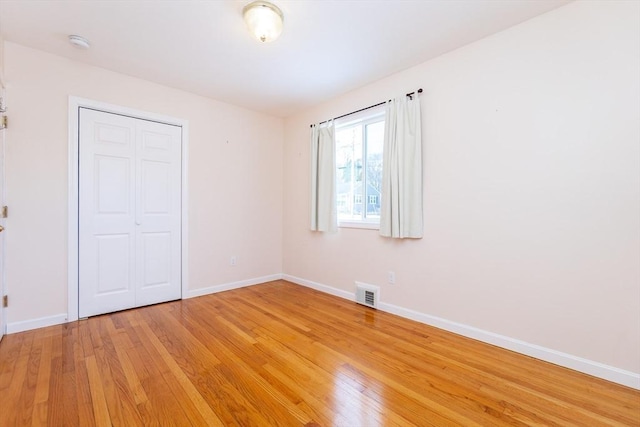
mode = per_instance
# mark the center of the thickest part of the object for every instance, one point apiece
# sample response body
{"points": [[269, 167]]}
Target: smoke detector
{"points": [[79, 41]]}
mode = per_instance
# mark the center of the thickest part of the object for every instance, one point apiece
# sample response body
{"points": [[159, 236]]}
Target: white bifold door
{"points": [[129, 213]]}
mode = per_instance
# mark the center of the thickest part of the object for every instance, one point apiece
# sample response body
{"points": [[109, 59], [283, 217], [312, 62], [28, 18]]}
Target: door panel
{"points": [[106, 220], [157, 259], [129, 212], [158, 207], [156, 188], [113, 184], [113, 263]]}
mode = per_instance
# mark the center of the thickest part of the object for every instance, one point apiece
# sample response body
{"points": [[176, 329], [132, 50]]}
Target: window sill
{"points": [[362, 225]]}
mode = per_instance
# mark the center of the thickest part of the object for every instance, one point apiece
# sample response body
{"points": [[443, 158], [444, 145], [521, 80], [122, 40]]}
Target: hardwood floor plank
{"points": [[39, 415], [16, 395], [11, 347], [57, 394], [121, 403], [129, 371], [161, 400], [306, 400], [98, 398], [278, 354], [196, 398]]}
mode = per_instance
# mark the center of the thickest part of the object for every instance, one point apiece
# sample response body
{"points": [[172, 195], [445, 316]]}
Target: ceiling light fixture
{"points": [[264, 20], [79, 41]]}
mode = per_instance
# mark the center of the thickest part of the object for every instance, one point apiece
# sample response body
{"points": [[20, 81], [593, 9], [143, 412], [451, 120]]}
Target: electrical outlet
{"points": [[233, 261], [391, 277]]}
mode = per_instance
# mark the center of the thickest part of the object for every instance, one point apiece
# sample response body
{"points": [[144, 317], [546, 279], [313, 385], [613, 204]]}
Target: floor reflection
{"points": [[359, 399]]}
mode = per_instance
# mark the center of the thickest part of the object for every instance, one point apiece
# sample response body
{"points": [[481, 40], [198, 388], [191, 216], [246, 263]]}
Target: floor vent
{"points": [[367, 294]]}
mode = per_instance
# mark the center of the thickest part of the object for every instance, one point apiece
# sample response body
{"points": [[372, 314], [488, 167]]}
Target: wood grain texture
{"points": [[278, 354]]}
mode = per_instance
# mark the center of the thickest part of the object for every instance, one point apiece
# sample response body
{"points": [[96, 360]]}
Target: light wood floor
{"points": [[278, 354]]}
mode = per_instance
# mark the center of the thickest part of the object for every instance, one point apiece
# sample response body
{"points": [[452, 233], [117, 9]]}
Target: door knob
{"points": [[1, 229]]}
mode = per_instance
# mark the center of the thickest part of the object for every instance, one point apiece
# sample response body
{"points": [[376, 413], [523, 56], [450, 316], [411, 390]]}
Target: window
{"points": [[342, 201], [359, 170]]}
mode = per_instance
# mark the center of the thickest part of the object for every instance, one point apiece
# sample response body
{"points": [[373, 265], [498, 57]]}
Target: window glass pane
{"points": [[374, 138], [349, 173], [359, 145]]}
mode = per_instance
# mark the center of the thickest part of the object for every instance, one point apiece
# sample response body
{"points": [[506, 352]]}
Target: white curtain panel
{"points": [[324, 215], [401, 204]]}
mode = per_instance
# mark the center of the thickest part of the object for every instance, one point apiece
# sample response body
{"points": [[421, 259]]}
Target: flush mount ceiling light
{"points": [[79, 41], [264, 20]]}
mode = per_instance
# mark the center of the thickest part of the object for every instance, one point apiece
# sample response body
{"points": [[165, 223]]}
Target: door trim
{"points": [[75, 103], [3, 186]]}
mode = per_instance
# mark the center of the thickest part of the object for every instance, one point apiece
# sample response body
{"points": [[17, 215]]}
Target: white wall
{"points": [[531, 188], [235, 179], [1, 59]]}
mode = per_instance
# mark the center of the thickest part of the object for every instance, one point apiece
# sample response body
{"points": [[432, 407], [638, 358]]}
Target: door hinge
{"points": [[3, 123], [4, 212], [5, 301]]}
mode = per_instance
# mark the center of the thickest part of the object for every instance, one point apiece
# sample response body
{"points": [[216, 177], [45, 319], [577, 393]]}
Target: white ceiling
{"points": [[328, 47]]}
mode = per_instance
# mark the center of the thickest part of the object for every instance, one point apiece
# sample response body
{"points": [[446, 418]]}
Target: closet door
{"points": [[158, 219], [129, 212], [106, 213]]}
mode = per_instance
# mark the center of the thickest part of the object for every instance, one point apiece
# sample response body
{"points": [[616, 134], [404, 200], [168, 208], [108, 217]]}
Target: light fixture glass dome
{"points": [[264, 20]]}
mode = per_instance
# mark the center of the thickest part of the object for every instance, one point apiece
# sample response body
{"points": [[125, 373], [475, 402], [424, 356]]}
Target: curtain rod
{"points": [[366, 108]]}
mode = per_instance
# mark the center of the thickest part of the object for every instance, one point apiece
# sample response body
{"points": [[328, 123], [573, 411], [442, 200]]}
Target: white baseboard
{"points": [[192, 293], [42, 322], [27, 325], [320, 287], [597, 369]]}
